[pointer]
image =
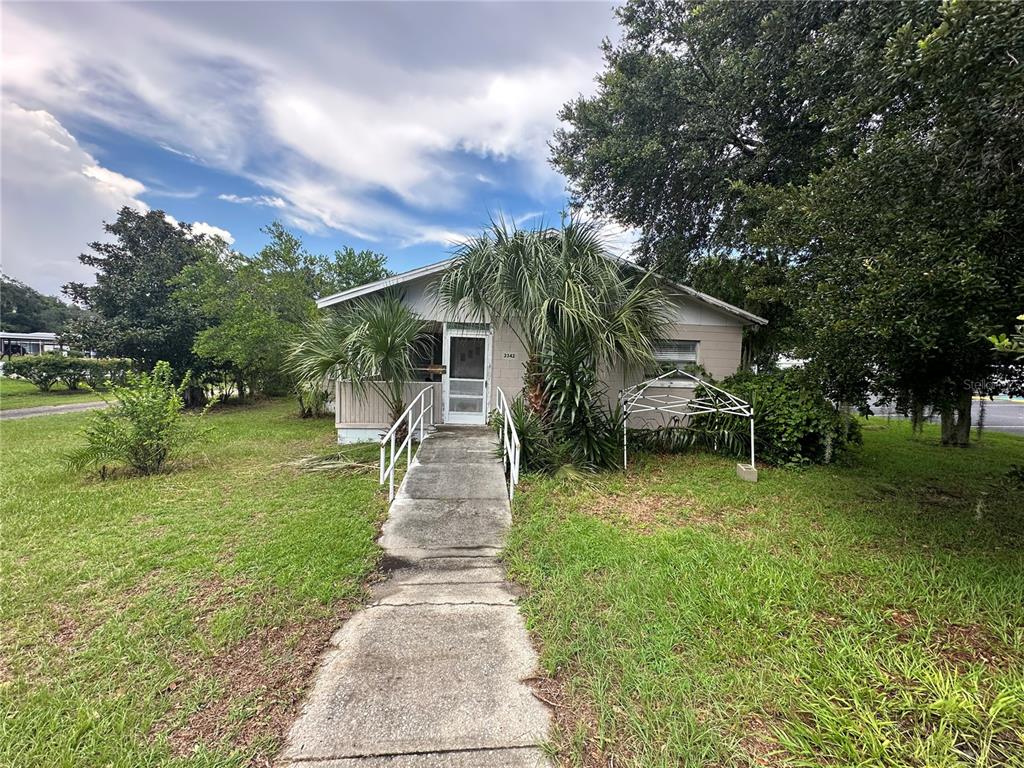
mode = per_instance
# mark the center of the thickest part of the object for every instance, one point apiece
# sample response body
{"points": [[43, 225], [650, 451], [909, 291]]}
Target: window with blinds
{"points": [[669, 355]]}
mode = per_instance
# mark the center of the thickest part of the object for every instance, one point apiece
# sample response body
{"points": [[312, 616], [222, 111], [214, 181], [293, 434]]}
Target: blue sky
{"points": [[396, 127]]}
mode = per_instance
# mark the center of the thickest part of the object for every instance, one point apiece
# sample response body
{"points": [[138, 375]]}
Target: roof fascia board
{"points": [[387, 282]]}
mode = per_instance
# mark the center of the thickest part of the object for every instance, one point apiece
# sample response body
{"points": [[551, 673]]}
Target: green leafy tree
{"points": [[693, 99], [23, 309], [131, 310], [861, 163], [254, 306], [349, 268]]}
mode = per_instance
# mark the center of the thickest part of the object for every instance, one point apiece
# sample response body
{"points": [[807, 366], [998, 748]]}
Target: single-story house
{"points": [[469, 361], [35, 343]]}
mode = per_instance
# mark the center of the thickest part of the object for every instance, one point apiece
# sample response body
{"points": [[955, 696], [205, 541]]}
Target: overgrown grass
{"points": [[18, 393], [173, 619], [868, 614]]}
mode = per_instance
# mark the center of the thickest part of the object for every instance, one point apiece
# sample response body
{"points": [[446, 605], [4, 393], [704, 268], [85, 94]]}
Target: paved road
{"points": [[431, 674], [49, 410], [1000, 415]]}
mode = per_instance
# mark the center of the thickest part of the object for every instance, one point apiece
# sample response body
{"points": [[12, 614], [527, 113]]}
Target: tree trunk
{"points": [[194, 396], [534, 387], [916, 416], [956, 421]]}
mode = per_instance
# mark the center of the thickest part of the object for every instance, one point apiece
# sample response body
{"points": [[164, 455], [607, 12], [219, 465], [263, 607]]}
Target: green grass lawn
{"points": [[18, 393], [174, 619], [870, 614]]}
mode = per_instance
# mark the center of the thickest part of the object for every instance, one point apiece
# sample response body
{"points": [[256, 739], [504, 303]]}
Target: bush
{"points": [[313, 399], [580, 423], [43, 370], [793, 421], [144, 428], [547, 447], [100, 373], [46, 370]]}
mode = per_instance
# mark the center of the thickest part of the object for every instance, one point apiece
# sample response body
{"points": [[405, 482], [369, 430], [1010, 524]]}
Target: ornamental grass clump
{"points": [[144, 427]]}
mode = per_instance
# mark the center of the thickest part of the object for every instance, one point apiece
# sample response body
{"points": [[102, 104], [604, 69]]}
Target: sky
{"points": [[398, 127]]}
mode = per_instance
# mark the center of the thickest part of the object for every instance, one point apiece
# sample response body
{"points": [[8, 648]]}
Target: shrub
{"points": [[313, 399], [711, 432], [580, 422], [144, 428], [793, 421], [42, 370], [549, 447], [100, 373], [46, 370]]}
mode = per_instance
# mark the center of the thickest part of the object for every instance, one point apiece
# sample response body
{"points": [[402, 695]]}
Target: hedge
{"points": [[46, 370]]}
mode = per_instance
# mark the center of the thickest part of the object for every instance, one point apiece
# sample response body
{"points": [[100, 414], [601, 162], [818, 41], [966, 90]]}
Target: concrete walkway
{"points": [[430, 674], [49, 410]]}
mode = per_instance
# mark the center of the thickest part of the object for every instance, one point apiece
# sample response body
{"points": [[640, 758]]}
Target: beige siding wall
{"points": [[506, 373], [719, 338], [369, 410], [719, 349]]}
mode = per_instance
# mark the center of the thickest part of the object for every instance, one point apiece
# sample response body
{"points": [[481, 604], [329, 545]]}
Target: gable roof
{"points": [[441, 266], [387, 282]]}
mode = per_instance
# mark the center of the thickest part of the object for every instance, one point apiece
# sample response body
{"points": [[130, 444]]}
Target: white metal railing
{"points": [[509, 444], [418, 405]]}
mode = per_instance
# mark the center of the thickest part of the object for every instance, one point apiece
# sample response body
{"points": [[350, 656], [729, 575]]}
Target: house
{"points": [[36, 343], [469, 361]]}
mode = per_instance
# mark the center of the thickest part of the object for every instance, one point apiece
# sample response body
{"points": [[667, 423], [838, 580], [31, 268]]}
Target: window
{"points": [[670, 355]]}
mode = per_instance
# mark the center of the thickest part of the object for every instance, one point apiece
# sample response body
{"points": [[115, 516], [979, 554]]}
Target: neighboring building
{"points": [[470, 360], [13, 344]]}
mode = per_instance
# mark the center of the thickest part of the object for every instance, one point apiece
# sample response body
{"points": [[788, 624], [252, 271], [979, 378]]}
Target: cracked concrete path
{"points": [[431, 672]]}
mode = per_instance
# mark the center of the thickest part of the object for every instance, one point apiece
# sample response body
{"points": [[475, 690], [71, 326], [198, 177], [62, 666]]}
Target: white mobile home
{"points": [[469, 361]]}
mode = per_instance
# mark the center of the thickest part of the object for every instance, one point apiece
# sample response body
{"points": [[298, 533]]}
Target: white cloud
{"points": [[202, 228], [55, 198], [270, 201], [383, 115], [619, 239]]}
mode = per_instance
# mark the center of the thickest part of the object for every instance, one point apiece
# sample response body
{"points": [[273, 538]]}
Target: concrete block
{"points": [[746, 472], [462, 480], [442, 570]]}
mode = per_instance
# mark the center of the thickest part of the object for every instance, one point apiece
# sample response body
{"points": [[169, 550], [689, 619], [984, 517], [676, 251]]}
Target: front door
{"points": [[467, 355]]}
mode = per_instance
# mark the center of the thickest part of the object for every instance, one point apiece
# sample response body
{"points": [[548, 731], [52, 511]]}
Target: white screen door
{"points": [[467, 357]]}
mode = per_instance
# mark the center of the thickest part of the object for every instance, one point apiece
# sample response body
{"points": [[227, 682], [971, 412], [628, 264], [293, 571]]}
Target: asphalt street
{"points": [[1000, 415]]}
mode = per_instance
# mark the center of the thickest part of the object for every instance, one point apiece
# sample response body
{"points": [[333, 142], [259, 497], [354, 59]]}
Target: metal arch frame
{"points": [[636, 400]]}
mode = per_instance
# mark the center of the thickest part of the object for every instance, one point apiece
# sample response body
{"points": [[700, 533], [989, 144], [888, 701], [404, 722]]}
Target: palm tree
{"points": [[554, 287], [371, 344]]}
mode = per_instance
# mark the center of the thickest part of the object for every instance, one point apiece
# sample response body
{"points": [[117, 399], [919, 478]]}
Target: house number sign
{"points": [[509, 356]]}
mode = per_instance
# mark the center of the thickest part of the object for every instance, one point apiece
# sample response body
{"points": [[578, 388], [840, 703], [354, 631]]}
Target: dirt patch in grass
{"points": [[964, 645], [960, 645], [758, 746], [646, 513], [260, 684], [574, 720]]}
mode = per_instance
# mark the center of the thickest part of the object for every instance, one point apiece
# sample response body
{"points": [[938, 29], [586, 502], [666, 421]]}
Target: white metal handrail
{"points": [[387, 471], [509, 444]]}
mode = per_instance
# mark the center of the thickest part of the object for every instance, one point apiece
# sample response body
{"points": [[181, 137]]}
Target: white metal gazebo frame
{"points": [[707, 398]]}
